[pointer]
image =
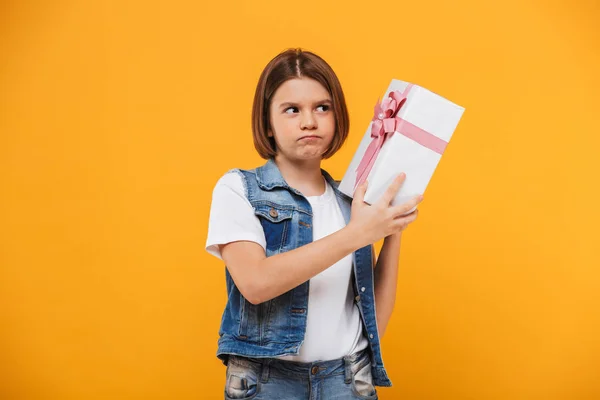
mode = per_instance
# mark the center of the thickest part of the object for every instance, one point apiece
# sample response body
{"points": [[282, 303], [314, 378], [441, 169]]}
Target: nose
{"points": [[308, 121]]}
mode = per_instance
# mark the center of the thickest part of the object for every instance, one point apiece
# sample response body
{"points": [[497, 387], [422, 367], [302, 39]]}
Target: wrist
{"points": [[353, 238], [394, 237]]}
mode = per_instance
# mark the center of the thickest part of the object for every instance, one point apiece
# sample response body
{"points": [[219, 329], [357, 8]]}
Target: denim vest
{"points": [[276, 327]]}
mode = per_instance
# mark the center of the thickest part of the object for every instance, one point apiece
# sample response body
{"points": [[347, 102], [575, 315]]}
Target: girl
{"points": [[302, 279]]}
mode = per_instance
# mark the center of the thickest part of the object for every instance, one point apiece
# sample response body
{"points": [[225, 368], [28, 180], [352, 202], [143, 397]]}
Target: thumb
{"points": [[359, 193]]}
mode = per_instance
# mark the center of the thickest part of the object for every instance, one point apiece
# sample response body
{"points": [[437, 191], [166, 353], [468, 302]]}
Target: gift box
{"points": [[410, 129]]}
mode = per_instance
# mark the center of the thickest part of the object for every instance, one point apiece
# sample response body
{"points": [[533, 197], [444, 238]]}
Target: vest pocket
{"points": [[267, 321], [275, 221], [255, 320]]}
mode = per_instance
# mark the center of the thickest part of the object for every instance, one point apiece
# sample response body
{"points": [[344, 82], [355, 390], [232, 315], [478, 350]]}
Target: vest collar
{"points": [[269, 177]]}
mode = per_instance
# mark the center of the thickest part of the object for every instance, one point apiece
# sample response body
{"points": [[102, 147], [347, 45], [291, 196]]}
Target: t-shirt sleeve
{"points": [[232, 216]]}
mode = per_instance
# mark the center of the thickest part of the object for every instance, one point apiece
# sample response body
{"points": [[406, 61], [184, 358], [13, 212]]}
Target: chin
{"points": [[311, 156]]}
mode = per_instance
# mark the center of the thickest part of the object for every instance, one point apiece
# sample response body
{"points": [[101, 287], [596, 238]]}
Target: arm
{"points": [[386, 278], [260, 278]]}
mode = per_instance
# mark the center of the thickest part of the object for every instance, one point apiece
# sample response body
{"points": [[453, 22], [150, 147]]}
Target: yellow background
{"points": [[118, 117]]}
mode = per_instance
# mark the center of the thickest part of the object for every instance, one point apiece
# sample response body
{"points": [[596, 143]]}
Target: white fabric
{"points": [[333, 327]]}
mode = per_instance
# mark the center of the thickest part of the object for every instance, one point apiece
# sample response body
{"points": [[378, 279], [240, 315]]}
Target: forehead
{"points": [[299, 90]]}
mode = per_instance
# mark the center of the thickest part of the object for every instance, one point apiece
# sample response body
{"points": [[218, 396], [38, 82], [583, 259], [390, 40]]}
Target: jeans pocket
{"points": [[362, 380], [241, 380]]}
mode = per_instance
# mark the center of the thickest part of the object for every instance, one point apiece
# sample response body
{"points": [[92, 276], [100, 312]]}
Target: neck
{"points": [[304, 176]]}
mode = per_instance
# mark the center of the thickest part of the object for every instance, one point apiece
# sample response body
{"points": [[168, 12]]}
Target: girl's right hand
{"points": [[374, 222]]}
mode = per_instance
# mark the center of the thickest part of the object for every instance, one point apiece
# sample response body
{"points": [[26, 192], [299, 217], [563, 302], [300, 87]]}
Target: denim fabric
{"points": [[276, 327], [267, 378]]}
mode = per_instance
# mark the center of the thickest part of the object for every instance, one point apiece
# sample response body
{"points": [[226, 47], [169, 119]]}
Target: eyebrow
{"points": [[292, 104]]}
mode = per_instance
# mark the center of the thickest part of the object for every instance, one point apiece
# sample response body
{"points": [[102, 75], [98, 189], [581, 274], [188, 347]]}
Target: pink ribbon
{"points": [[385, 123]]}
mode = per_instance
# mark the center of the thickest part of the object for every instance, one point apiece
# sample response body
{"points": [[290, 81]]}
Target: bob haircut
{"points": [[290, 64]]}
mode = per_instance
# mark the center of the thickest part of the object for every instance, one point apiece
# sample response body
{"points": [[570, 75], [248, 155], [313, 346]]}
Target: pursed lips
{"points": [[310, 137]]}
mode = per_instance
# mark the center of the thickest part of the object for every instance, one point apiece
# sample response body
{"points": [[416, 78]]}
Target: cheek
{"points": [[329, 123], [283, 127]]}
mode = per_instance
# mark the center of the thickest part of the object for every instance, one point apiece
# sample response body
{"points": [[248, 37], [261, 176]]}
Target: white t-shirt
{"points": [[333, 326]]}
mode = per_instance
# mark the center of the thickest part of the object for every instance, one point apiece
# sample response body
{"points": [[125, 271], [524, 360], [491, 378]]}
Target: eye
{"points": [[290, 108], [324, 107]]}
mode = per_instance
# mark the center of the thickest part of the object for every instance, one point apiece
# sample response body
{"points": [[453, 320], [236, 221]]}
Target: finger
{"points": [[399, 226], [392, 190], [402, 223], [407, 206], [359, 193], [411, 217], [398, 217]]}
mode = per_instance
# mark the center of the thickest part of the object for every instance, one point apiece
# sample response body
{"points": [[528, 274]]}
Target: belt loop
{"points": [[264, 377], [347, 370]]}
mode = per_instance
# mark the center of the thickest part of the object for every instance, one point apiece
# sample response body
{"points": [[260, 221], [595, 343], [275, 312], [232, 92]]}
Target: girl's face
{"points": [[302, 119]]}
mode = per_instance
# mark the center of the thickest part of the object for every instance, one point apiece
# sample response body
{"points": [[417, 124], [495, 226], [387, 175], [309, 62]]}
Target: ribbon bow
{"points": [[385, 122]]}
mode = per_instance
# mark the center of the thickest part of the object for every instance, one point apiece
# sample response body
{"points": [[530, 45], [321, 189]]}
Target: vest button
{"points": [[314, 370], [273, 213]]}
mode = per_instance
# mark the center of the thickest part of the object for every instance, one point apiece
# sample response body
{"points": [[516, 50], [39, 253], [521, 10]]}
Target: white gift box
{"points": [[409, 132]]}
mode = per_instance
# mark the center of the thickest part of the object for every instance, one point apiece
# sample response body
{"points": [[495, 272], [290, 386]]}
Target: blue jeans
{"points": [[270, 378]]}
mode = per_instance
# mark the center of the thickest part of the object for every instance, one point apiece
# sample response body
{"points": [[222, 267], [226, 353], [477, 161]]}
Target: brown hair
{"points": [[290, 64]]}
